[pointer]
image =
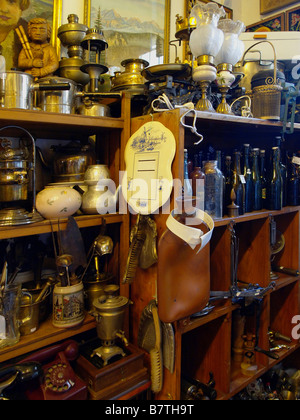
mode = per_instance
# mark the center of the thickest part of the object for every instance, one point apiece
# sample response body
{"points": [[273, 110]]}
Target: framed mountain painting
{"points": [[132, 29]]}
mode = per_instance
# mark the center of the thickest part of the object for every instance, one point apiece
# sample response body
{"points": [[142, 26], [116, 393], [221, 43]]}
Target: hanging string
{"points": [[164, 100], [193, 127]]}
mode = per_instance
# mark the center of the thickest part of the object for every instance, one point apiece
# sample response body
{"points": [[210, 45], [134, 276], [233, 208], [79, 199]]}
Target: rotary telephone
{"points": [[59, 380]]}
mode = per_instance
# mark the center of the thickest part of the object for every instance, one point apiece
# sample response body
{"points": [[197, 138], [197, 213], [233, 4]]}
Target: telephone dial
{"points": [[59, 380]]}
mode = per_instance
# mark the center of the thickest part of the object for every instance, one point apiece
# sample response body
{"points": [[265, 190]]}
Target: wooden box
{"points": [[108, 381]]}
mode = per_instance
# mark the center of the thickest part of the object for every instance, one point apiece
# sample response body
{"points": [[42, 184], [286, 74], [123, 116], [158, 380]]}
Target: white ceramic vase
{"points": [[58, 202]]}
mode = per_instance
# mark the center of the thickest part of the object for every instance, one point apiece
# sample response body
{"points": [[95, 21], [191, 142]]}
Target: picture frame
{"points": [[274, 23], [292, 17], [123, 25], [20, 13], [268, 6]]}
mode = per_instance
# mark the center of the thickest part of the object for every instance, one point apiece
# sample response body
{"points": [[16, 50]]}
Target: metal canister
{"points": [[57, 100], [16, 90]]}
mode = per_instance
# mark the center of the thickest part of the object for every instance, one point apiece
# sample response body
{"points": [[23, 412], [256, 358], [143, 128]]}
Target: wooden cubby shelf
{"points": [[204, 345], [111, 135], [46, 335]]}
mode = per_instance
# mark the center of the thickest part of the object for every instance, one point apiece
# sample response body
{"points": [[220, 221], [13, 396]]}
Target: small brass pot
{"points": [[131, 79]]}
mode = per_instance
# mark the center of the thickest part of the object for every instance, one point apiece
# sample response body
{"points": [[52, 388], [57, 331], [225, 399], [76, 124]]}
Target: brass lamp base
{"points": [[204, 103], [224, 107]]}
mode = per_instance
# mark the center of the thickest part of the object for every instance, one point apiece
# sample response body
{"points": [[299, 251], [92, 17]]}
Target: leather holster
{"points": [[183, 283]]}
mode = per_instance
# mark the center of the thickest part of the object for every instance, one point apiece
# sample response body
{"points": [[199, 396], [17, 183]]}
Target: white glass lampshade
{"points": [[207, 38], [233, 48]]}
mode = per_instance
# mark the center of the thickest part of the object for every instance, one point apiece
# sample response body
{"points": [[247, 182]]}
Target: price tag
{"points": [[2, 328], [296, 160], [242, 178]]}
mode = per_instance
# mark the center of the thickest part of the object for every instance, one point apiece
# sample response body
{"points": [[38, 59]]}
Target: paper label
{"points": [[2, 328], [242, 178], [296, 160]]}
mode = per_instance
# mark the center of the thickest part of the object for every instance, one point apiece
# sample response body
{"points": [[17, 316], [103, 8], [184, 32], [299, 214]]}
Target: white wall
{"points": [[72, 6], [249, 11]]}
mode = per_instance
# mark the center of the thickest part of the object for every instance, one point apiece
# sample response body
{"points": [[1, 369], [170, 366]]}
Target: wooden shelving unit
{"points": [[111, 137], [203, 345], [46, 335]]}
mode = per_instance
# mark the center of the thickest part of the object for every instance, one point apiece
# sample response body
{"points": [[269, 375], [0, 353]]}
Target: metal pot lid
{"points": [[178, 70], [110, 303], [134, 60], [55, 80], [21, 73]]}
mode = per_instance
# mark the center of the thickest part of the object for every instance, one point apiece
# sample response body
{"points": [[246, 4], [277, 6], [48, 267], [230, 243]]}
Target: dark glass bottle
{"points": [[248, 180], [293, 186], [274, 190], [228, 185], [213, 190], [219, 160], [198, 178], [256, 183], [283, 170], [188, 191], [238, 183], [263, 178]]}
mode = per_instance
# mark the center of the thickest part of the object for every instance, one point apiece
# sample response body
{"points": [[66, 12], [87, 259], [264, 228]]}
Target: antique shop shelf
{"points": [[46, 226], [190, 324], [264, 214], [240, 381], [203, 345], [46, 335], [58, 126], [208, 118], [111, 137]]}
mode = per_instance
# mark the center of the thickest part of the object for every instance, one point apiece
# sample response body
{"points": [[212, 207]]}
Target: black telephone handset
{"points": [[17, 374], [60, 381]]}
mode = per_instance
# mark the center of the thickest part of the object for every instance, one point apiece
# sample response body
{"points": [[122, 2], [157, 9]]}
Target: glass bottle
{"points": [[188, 191], [213, 190], [283, 170], [219, 160], [248, 180], [293, 186], [256, 183], [274, 190], [198, 182], [263, 178], [238, 183], [228, 186]]}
